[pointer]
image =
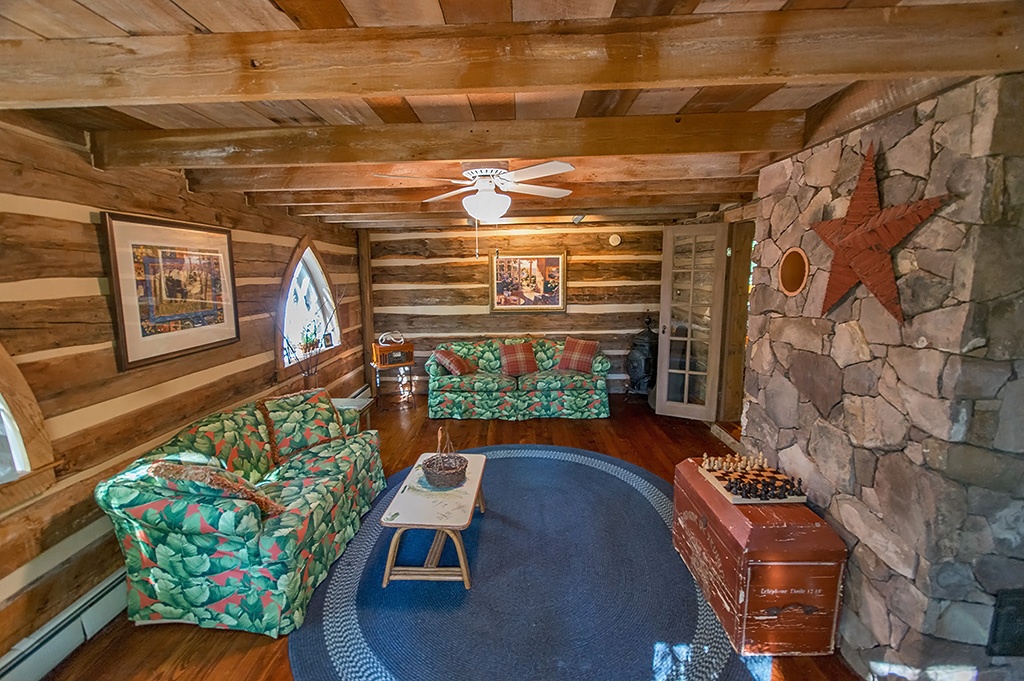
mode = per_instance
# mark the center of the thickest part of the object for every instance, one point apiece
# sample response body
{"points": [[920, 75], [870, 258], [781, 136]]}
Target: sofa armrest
{"points": [[435, 368], [601, 365], [139, 504]]}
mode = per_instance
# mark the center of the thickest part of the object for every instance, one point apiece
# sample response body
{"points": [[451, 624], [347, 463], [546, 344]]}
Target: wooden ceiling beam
{"points": [[456, 212], [521, 205], [435, 222], [865, 102], [627, 168], [697, 50], [738, 186], [480, 140]]}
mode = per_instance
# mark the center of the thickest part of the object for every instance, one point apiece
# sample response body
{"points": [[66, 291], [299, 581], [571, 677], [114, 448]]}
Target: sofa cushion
{"points": [[577, 355], [518, 359], [300, 420], [475, 382], [238, 438], [547, 353], [335, 458], [453, 363], [208, 481], [562, 380], [484, 355]]}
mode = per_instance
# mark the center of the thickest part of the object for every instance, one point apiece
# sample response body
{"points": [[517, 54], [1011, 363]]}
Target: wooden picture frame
{"points": [[527, 282], [173, 285]]}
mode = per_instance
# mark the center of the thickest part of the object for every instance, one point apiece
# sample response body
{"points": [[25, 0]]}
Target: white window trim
{"points": [[19, 455], [327, 313]]}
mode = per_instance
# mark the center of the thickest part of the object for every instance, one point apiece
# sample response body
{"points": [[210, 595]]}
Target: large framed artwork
{"points": [[528, 283], [173, 285]]}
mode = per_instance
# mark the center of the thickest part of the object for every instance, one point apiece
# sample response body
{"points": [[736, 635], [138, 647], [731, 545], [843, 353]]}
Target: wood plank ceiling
{"points": [[304, 102]]}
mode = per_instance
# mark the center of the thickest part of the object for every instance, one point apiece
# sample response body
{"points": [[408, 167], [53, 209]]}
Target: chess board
{"points": [[719, 479]]}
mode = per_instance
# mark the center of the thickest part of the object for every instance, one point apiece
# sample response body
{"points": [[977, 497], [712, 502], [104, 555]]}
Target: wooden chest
{"points": [[771, 572]]}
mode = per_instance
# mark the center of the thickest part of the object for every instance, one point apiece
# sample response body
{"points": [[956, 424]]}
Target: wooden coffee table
{"points": [[418, 506]]}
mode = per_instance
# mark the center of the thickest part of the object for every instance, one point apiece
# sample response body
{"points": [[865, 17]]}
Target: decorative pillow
{"points": [[299, 421], [211, 482], [578, 355], [517, 359], [452, 362]]}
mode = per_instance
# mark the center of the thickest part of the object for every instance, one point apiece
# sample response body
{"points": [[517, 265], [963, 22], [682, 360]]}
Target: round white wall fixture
{"points": [[615, 239]]}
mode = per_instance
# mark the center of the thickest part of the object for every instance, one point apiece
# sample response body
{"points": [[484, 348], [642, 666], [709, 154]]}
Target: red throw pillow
{"points": [[453, 363], [578, 355], [517, 359]]}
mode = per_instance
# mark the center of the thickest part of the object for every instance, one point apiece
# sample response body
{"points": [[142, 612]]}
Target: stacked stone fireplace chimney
{"points": [[910, 438]]}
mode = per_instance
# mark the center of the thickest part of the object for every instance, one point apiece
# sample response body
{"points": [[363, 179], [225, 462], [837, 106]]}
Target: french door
{"points": [[690, 343]]}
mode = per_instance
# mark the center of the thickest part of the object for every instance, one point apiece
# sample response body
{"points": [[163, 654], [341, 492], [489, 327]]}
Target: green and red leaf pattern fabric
{"points": [[301, 420], [217, 561], [545, 393]]}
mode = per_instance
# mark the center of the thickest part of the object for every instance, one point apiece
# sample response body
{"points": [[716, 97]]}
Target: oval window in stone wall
{"points": [[793, 269]]}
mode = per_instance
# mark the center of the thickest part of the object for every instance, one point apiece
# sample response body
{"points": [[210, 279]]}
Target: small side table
{"points": [[360, 403], [395, 356], [418, 506]]}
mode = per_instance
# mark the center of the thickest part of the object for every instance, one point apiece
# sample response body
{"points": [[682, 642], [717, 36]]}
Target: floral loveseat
{"points": [[235, 520], [487, 393]]}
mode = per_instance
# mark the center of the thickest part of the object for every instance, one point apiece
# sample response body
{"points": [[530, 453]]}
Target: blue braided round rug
{"points": [[574, 577]]}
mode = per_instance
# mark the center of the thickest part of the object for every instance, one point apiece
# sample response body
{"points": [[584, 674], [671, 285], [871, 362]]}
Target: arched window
{"points": [[26, 457], [13, 457], [309, 318]]}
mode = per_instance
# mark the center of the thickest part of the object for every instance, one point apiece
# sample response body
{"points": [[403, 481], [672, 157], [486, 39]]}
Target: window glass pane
{"points": [[310, 320], [683, 253]]}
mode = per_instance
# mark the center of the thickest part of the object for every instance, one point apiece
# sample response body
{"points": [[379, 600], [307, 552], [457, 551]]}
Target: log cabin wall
{"points": [[431, 286], [57, 322]]}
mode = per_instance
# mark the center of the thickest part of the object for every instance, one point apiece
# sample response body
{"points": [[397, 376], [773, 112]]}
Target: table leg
{"points": [[460, 549], [434, 554], [392, 554], [480, 501]]}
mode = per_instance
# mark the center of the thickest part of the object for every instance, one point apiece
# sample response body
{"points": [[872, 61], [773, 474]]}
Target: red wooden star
{"points": [[862, 240]]}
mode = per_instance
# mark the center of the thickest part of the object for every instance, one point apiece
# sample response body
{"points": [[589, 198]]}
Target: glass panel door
{"points": [[692, 292]]}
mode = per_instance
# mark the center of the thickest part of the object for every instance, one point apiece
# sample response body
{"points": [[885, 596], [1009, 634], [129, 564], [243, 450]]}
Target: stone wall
{"points": [[910, 439]]}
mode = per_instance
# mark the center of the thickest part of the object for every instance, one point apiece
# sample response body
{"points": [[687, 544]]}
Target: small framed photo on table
{"points": [[173, 285], [528, 283]]}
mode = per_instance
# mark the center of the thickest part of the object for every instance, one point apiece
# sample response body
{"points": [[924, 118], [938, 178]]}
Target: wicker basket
{"points": [[445, 469]]}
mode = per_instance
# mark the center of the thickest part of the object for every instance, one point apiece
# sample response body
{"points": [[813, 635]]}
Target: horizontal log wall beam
{"points": [[412, 142], [699, 50]]}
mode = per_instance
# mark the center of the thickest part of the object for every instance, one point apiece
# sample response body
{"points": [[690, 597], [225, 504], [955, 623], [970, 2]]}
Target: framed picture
{"points": [[528, 283], [173, 285]]}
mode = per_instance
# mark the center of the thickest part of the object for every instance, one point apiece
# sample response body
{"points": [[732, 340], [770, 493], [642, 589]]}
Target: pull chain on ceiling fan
{"points": [[488, 205]]}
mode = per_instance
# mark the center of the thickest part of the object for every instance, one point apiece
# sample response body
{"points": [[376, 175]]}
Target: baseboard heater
{"points": [[35, 656]]}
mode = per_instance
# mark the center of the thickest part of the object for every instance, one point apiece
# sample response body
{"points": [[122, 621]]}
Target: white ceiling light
{"points": [[486, 205]]}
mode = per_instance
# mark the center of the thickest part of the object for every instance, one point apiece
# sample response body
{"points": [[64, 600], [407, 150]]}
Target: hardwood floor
{"points": [[173, 652]]}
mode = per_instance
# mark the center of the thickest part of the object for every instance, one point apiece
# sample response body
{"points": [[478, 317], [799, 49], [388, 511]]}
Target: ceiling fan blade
{"points": [[535, 190], [539, 170], [447, 195], [420, 177]]}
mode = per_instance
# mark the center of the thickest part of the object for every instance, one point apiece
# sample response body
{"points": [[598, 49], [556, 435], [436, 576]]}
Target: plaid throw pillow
{"points": [[578, 355], [517, 359], [452, 362]]}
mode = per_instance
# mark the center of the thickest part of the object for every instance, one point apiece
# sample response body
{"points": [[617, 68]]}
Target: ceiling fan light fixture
{"points": [[487, 205]]}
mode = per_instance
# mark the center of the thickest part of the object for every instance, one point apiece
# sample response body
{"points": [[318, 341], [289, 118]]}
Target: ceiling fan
{"points": [[487, 204]]}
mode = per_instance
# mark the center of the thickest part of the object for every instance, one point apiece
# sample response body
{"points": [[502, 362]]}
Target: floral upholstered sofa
{"points": [[487, 389], [235, 520]]}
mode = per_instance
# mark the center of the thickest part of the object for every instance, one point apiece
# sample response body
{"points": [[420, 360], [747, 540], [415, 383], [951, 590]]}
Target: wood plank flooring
{"points": [[179, 652]]}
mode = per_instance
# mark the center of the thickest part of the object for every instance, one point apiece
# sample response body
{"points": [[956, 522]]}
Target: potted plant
{"points": [[311, 338]]}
